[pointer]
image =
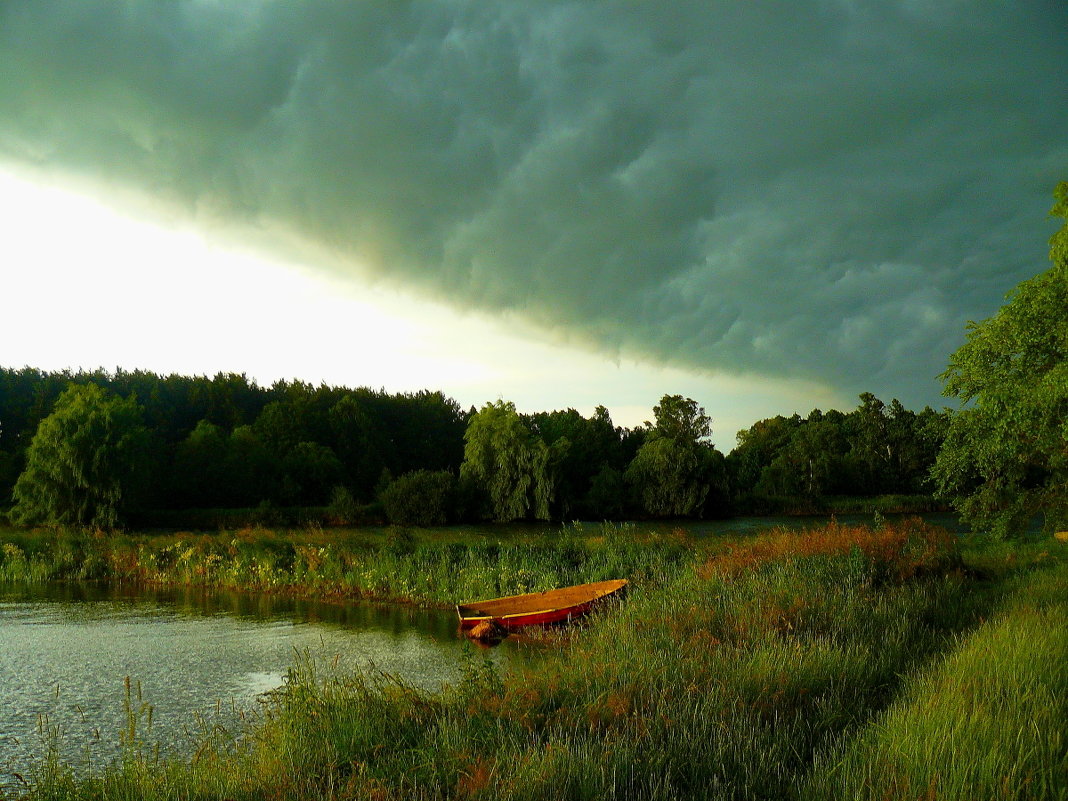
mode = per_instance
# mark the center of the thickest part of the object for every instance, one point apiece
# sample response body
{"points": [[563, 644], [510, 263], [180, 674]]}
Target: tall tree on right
{"points": [[1005, 456]]}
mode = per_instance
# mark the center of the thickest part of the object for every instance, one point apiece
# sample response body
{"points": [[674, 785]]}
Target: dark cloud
{"points": [[825, 190]]}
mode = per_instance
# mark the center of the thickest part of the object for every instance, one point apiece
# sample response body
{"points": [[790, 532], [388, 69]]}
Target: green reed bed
{"points": [[729, 676], [396, 565]]}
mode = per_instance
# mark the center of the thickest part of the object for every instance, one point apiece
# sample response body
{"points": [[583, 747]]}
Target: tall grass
{"points": [[396, 566], [987, 721], [773, 669]]}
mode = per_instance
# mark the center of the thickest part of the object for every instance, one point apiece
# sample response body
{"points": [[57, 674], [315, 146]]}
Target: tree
{"points": [[357, 444], [675, 471], [420, 498], [250, 470], [309, 472], [606, 499], [199, 475], [757, 449], [85, 464], [592, 445], [1005, 455], [509, 463], [280, 426], [681, 419], [810, 463]]}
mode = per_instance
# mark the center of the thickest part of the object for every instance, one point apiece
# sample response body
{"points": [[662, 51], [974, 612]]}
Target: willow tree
{"points": [[83, 466], [512, 466], [1005, 456], [677, 472]]}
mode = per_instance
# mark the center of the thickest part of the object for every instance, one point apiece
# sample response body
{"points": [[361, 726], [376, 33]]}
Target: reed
{"points": [[395, 565]]}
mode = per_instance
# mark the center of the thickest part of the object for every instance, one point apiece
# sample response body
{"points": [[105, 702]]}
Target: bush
{"points": [[343, 508], [422, 498]]}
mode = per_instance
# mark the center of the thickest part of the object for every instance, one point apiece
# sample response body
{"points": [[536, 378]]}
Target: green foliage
{"points": [[675, 472], [357, 443], [1005, 457], [250, 471], [757, 447], [264, 428], [592, 445], [681, 419], [420, 498], [809, 464], [82, 467], [311, 470], [607, 495], [399, 564], [876, 449], [226, 443], [671, 479], [343, 507], [199, 473], [513, 467]]}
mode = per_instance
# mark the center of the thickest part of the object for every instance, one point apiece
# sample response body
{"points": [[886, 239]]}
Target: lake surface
{"points": [[198, 658]]}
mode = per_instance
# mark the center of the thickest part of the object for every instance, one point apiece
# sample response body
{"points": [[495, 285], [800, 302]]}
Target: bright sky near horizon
{"points": [[77, 295], [766, 207]]}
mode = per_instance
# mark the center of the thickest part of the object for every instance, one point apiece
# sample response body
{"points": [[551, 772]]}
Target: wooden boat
{"points": [[538, 608]]}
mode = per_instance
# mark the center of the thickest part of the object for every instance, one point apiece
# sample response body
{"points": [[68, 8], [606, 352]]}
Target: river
{"points": [[198, 658]]}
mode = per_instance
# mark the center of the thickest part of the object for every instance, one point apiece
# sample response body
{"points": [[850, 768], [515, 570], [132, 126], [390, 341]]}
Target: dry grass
{"points": [[904, 549]]}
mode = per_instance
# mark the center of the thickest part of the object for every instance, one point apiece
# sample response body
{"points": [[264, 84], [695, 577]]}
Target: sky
{"points": [[766, 207]]}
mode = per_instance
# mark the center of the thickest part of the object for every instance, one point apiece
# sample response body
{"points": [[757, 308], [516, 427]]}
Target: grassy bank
{"points": [[754, 504], [423, 567], [987, 720], [784, 666]]}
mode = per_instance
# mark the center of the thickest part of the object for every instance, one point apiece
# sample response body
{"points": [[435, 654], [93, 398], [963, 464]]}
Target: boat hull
{"points": [[538, 609]]}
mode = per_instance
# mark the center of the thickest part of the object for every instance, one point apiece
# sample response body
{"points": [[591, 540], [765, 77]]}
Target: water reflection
{"points": [[199, 659]]}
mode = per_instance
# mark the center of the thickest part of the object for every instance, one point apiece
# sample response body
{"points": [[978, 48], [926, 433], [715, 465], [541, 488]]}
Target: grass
{"points": [[985, 721], [837, 504], [838, 662], [421, 567]]}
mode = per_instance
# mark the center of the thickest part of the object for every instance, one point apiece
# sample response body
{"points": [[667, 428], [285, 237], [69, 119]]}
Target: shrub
{"points": [[422, 498], [343, 508]]}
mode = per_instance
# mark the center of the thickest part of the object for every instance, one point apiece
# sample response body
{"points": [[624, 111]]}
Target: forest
{"points": [[168, 445]]}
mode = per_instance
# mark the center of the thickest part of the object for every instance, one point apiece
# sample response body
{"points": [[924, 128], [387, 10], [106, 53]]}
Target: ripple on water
{"points": [[197, 659]]}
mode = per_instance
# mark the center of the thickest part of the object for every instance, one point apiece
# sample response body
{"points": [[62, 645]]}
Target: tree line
{"points": [[876, 449], [225, 441], [94, 448]]}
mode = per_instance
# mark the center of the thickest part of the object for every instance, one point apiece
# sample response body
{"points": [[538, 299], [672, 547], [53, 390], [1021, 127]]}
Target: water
{"points": [[199, 658]]}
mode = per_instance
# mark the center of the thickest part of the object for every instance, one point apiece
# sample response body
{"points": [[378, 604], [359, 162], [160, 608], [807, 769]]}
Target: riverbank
{"points": [[424, 567], [836, 662], [839, 505], [371, 517]]}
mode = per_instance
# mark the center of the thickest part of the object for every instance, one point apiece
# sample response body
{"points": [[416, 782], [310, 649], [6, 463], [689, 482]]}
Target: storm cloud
{"points": [[823, 190]]}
